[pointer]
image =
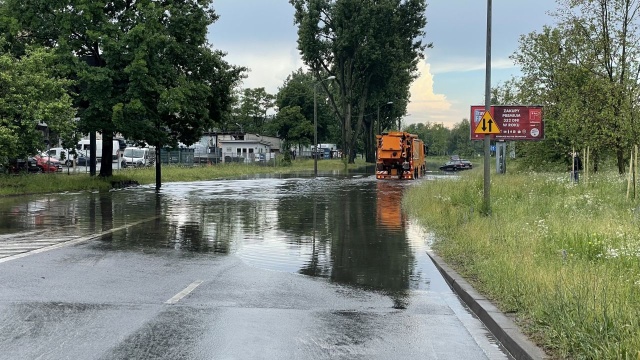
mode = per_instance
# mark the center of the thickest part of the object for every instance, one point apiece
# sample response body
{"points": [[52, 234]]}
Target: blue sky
{"points": [[260, 35]]}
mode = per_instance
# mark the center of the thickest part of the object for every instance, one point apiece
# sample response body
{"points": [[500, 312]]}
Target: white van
{"points": [[58, 152], [137, 157], [84, 146]]}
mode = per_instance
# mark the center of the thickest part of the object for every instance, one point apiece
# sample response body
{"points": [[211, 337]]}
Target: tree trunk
{"points": [[356, 129], [370, 142], [106, 165], [347, 134]]}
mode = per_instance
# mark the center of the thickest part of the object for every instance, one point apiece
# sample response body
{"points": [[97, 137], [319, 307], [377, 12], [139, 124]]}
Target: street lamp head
{"points": [[390, 102], [331, 77]]}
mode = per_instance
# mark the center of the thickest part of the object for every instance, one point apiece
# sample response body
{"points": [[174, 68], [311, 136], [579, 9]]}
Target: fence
{"points": [[183, 156]]}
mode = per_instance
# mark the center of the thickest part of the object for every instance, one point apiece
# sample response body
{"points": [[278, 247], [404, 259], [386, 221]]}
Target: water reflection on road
{"points": [[350, 230]]}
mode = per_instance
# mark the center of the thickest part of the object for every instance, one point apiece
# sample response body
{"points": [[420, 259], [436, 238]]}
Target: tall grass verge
{"points": [[563, 259]]}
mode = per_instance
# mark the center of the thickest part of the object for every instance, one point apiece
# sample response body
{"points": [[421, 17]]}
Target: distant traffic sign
{"points": [[486, 125]]}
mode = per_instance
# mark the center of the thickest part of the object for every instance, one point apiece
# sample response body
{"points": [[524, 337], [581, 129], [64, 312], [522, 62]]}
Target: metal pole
{"points": [[315, 131], [487, 106]]}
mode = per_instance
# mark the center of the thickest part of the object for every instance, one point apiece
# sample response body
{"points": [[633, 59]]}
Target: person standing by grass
{"points": [[576, 167]]}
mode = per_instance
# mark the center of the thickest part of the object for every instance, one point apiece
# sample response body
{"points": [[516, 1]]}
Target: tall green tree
{"points": [[30, 94], [585, 72], [170, 73], [459, 141], [606, 35], [363, 44], [78, 31], [298, 91], [143, 67], [292, 127], [252, 110], [435, 136]]}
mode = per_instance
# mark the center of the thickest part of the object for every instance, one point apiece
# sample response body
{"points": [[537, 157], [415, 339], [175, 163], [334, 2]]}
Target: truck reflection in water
{"points": [[389, 205]]}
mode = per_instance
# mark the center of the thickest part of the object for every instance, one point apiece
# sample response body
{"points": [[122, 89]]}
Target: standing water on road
{"points": [[350, 230], [366, 284]]}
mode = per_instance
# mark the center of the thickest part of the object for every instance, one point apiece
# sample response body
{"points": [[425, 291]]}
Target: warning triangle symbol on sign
{"points": [[487, 125]]}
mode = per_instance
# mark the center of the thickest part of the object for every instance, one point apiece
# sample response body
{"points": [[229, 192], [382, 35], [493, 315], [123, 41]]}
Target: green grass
{"points": [[563, 259], [63, 182]]}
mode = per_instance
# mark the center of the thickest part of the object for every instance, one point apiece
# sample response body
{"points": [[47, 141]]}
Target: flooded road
{"points": [[266, 268]]}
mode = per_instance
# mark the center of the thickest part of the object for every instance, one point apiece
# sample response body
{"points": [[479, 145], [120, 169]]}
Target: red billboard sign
{"points": [[514, 122]]}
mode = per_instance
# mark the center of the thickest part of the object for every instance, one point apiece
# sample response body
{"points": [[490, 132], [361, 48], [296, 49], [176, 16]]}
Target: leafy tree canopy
{"points": [[369, 46], [31, 95], [143, 68]]}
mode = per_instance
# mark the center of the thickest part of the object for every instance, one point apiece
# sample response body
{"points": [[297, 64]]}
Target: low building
{"points": [[217, 147], [245, 147]]}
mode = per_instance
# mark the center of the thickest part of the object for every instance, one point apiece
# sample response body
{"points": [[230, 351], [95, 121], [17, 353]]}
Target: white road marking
{"points": [[184, 292], [70, 242]]}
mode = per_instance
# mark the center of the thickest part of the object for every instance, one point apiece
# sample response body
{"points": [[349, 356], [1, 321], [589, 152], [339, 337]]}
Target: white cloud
{"points": [[268, 65], [427, 106]]}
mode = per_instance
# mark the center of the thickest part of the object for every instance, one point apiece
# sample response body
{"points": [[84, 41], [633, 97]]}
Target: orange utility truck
{"points": [[400, 155]]}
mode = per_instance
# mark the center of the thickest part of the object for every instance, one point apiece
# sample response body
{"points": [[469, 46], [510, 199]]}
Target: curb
{"points": [[504, 330]]}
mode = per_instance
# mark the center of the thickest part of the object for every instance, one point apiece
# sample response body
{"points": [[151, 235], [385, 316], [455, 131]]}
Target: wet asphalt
{"points": [[266, 268]]}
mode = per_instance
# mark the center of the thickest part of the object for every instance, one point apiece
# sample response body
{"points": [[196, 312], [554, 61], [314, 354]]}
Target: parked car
{"points": [[82, 160], [466, 164], [64, 155], [48, 164], [28, 165], [457, 165]]}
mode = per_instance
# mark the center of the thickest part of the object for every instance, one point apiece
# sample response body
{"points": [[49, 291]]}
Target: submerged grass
{"points": [[564, 259], [64, 181]]}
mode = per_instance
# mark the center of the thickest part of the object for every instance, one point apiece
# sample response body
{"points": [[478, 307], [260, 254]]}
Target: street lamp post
{"points": [[315, 124]]}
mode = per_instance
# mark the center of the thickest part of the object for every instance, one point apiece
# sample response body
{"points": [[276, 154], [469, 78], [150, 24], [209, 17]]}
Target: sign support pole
{"points": [[501, 157], [486, 203]]}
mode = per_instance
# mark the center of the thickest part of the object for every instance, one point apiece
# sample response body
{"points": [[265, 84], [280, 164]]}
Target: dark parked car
{"points": [[457, 165], [82, 160], [30, 165]]}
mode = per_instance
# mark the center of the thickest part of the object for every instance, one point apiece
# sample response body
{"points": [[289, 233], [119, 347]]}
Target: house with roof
{"points": [[237, 147]]}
